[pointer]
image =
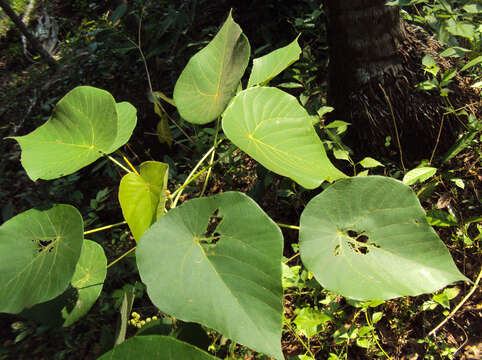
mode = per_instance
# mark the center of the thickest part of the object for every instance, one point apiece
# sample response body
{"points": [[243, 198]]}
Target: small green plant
{"points": [[217, 260]]}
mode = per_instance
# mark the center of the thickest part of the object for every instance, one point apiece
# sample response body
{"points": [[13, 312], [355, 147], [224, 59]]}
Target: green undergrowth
{"points": [[308, 310]]}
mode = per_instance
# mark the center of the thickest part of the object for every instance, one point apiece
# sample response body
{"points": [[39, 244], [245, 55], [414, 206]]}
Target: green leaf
{"points": [[473, 8], [142, 197], [341, 154], [273, 128], [211, 77], [440, 218], [84, 126], [88, 279], [454, 51], [77, 300], [473, 62], [418, 175], [428, 61], [155, 347], [226, 276], [163, 131], [128, 298], [127, 120], [377, 316], [460, 28], [39, 250], [367, 238], [308, 320], [267, 67], [369, 162]]}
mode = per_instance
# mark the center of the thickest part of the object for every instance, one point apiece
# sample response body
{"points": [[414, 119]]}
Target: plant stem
{"points": [[211, 160], [299, 339], [118, 164], [121, 257], [462, 302], [104, 227], [191, 174], [293, 257], [374, 335], [288, 226], [395, 127], [129, 163]]}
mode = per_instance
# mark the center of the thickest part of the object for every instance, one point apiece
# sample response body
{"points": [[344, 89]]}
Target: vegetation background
{"points": [[97, 43]]}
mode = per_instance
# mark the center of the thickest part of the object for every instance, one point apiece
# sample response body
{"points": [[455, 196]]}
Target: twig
{"points": [[375, 336], [476, 284], [438, 139], [121, 257], [299, 339], [395, 126], [104, 227]]}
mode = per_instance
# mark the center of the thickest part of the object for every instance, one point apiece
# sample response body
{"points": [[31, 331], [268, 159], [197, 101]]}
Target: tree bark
{"points": [[375, 63], [31, 39], [363, 36]]}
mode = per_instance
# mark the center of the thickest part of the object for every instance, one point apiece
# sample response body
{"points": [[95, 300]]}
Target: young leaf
{"points": [[273, 128], [163, 130], [471, 63], [155, 347], [142, 197], [85, 124], [201, 262], [211, 77], [308, 320], [367, 238], [369, 163], [85, 288], [418, 175], [267, 67], [39, 250]]}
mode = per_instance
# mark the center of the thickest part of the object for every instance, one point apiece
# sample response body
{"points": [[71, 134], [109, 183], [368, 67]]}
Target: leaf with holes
{"points": [[368, 238], [156, 347], [77, 300], [85, 124], [217, 261], [211, 77], [267, 67], [39, 250], [142, 197], [273, 128]]}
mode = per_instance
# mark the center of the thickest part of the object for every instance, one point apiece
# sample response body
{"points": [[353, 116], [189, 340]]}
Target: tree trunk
{"points": [[31, 39], [372, 75]]}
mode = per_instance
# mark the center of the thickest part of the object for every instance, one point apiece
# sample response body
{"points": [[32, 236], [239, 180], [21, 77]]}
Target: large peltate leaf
{"points": [[211, 77], [77, 300], [367, 238], [142, 197], [217, 261], [39, 250], [267, 67], [85, 124], [156, 347], [273, 128]]}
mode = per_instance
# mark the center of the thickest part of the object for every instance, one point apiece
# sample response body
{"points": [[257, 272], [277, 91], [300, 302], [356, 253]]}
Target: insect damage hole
{"points": [[44, 245], [211, 236], [359, 242]]}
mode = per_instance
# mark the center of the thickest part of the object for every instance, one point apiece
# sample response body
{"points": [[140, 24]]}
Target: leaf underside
{"points": [[368, 238], [39, 250], [211, 77]]}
